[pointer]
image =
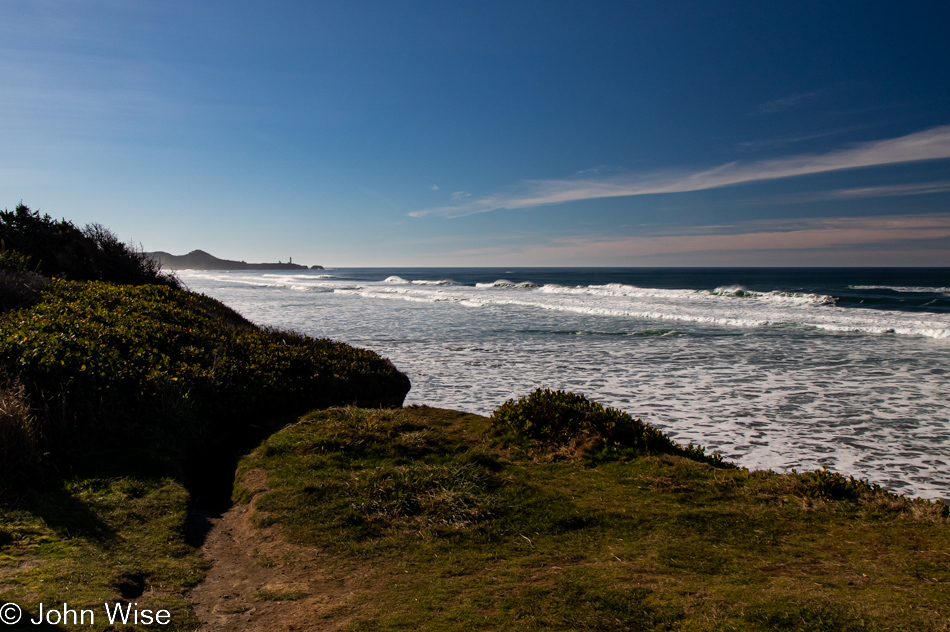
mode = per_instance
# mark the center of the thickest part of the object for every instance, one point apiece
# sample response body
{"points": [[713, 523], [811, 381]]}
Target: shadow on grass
{"points": [[783, 616], [578, 605], [71, 517], [209, 474]]}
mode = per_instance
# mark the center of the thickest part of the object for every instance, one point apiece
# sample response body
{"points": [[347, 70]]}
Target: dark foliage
{"points": [[559, 417], [829, 485], [153, 369], [30, 242], [19, 288]]}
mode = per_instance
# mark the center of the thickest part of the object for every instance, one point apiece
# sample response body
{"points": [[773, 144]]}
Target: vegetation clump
{"points": [[828, 485], [34, 243], [18, 435], [562, 419], [108, 366]]}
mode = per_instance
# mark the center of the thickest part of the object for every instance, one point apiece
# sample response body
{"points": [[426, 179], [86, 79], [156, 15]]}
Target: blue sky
{"points": [[487, 133]]}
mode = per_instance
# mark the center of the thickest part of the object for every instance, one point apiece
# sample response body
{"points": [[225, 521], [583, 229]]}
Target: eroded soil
{"points": [[260, 582]]}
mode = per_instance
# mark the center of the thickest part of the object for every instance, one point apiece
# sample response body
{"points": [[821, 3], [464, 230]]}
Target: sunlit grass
{"points": [[465, 533]]}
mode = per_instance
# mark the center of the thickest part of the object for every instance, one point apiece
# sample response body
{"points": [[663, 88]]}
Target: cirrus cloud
{"points": [[930, 144]]}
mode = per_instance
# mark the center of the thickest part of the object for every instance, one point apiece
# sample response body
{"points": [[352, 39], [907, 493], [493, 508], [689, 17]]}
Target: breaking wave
{"points": [[727, 306]]}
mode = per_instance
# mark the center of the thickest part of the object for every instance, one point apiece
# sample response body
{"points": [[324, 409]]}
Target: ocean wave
{"points": [[904, 288], [695, 306], [438, 282], [633, 291], [722, 306], [597, 332], [742, 292], [505, 283]]}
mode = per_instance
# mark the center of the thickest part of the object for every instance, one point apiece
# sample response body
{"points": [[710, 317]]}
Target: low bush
{"points": [[559, 418], [19, 288], [105, 366], [30, 242], [828, 485]]}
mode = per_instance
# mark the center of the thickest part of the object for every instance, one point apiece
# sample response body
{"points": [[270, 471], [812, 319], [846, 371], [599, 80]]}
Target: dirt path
{"points": [[259, 582]]}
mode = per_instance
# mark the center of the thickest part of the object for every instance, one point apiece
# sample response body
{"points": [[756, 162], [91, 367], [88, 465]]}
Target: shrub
{"points": [[829, 485], [30, 242], [116, 365], [559, 417], [19, 288]]}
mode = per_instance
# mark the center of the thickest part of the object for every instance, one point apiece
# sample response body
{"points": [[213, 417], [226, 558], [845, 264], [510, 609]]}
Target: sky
{"points": [[416, 133]]}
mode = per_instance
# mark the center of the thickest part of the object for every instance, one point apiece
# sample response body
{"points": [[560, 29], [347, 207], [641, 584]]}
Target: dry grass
{"points": [[18, 430]]}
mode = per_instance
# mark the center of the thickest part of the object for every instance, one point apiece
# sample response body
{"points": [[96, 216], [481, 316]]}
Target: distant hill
{"points": [[201, 260]]}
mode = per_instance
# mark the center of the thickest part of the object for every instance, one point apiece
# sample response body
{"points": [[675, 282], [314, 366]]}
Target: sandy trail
{"points": [[260, 582]]}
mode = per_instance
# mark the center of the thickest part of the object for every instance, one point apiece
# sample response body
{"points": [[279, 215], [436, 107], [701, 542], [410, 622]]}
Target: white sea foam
{"points": [[505, 283], [731, 307], [439, 282], [770, 380], [750, 309]]}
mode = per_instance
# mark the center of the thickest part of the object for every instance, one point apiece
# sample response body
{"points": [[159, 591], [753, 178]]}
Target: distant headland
{"points": [[201, 260]]}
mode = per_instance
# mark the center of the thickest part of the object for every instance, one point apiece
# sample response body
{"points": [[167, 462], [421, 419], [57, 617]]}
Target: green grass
{"points": [[96, 541], [466, 532]]}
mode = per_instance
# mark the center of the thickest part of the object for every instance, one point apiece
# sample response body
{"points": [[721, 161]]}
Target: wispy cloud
{"points": [[899, 240], [786, 103], [918, 188], [929, 144], [772, 143], [890, 190]]}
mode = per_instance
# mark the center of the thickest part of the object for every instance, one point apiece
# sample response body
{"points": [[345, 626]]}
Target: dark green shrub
{"points": [[19, 288], [559, 417], [829, 485], [106, 366], [30, 242]]}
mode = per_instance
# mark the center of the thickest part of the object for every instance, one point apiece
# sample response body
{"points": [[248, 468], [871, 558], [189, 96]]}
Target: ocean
{"points": [[773, 368]]}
